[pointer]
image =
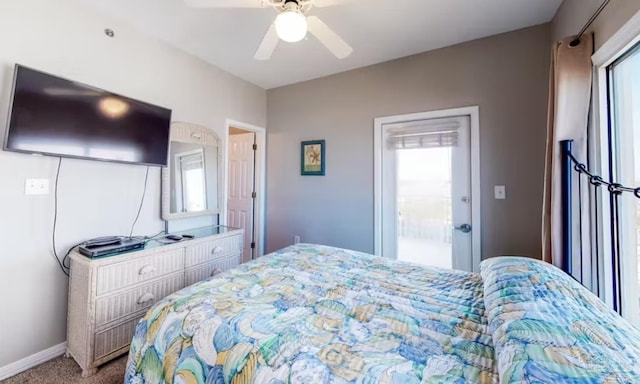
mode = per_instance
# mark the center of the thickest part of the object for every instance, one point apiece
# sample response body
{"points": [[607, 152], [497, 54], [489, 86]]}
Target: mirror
{"points": [[191, 184]]}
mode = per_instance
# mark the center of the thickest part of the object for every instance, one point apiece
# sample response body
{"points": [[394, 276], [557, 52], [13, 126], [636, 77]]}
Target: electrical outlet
{"points": [[36, 187], [296, 239], [500, 192]]}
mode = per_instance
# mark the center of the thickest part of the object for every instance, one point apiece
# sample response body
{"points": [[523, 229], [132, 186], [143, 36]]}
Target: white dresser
{"points": [[107, 296]]}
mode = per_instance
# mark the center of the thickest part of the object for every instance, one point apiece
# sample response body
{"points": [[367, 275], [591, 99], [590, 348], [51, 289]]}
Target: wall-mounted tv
{"points": [[58, 117]]}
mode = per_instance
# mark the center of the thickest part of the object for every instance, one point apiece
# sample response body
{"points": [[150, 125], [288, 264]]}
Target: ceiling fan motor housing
{"points": [[291, 6], [291, 23]]}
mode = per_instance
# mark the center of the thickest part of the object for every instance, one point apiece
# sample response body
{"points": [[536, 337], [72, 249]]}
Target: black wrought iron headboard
{"points": [[570, 167]]}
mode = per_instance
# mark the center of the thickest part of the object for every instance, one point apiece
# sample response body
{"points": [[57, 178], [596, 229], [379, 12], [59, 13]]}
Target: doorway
{"points": [[427, 179], [245, 171]]}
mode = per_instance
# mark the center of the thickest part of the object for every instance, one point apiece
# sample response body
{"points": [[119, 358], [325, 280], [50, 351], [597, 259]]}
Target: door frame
{"points": [[474, 114], [260, 169]]}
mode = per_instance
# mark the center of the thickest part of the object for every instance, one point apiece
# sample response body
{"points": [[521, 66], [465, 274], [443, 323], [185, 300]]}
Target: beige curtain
{"points": [[569, 104]]}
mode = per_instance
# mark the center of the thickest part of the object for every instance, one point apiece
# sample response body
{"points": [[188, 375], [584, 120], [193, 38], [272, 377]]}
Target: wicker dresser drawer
{"points": [[108, 296], [121, 305], [121, 275], [115, 338], [204, 271], [214, 249]]}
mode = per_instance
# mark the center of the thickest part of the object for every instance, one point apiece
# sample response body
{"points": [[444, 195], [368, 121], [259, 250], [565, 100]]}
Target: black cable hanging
{"points": [[54, 247]]}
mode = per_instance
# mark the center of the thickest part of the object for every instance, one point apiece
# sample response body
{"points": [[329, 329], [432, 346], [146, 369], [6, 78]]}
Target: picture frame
{"points": [[312, 158]]}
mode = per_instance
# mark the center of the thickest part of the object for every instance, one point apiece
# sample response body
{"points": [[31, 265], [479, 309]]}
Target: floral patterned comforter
{"points": [[547, 328], [316, 314]]}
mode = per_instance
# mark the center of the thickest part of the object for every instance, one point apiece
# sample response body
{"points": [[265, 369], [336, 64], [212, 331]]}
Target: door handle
{"points": [[464, 228]]}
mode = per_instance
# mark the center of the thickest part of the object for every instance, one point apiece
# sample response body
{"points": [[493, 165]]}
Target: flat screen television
{"points": [[58, 117]]}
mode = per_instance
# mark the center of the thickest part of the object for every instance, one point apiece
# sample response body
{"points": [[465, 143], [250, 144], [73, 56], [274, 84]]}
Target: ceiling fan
{"points": [[291, 24]]}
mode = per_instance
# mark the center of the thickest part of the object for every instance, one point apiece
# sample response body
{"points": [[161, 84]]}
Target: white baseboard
{"points": [[31, 361]]}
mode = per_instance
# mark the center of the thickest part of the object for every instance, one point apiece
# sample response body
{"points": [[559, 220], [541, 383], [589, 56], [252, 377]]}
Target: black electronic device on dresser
{"points": [[109, 245]]}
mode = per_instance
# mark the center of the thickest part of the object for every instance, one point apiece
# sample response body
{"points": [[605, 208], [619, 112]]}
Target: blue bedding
{"points": [[317, 314], [547, 328]]}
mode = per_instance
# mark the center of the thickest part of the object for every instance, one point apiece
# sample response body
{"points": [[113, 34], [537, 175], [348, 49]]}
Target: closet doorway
{"points": [[245, 172]]}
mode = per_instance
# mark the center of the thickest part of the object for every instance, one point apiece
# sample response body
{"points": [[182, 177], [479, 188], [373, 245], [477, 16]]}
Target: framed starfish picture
{"points": [[312, 158]]}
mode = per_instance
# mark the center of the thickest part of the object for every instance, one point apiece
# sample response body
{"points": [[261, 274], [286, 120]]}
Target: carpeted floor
{"points": [[63, 370]]}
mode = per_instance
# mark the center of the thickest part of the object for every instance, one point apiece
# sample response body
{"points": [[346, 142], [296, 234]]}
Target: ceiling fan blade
{"points": [[268, 45], [328, 3], [226, 3], [329, 38]]}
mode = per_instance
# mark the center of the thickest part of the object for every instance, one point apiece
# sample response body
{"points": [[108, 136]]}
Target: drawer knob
{"points": [[147, 269], [216, 250], [147, 297]]}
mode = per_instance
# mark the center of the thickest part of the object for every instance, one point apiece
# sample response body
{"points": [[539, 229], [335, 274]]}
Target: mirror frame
{"points": [[192, 134]]}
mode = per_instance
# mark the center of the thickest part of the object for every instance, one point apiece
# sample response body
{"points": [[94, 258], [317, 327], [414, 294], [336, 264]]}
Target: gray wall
{"points": [[573, 14], [95, 199], [506, 75]]}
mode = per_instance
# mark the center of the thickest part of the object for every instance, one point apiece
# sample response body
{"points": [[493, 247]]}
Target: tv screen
{"points": [[58, 117]]}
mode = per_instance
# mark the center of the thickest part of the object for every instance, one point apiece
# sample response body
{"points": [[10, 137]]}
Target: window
{"points": [[624, 168], [614, 153]]}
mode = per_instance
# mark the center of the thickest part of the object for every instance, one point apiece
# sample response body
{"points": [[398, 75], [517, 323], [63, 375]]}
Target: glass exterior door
{"points": [[426, 197], [424, 206]]}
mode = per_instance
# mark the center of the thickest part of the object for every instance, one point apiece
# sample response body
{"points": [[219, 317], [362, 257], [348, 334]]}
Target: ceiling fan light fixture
{"points": [[291, 26]]}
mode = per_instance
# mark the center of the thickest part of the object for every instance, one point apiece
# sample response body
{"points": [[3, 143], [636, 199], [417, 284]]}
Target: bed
{"points": [[317, 314]]}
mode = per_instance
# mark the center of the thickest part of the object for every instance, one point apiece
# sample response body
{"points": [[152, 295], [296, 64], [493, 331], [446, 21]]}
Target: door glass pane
{"points": [[626, 161], [424, 206]]}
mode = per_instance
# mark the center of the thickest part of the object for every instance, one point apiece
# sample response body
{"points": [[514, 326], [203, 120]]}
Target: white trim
{"points": [[621, 42], [600, 164], [261, 162], [476, 218], [28, 362], [474, 113], [377, 186]]}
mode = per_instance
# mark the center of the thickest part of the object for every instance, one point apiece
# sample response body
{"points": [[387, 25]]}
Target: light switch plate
{"points": [[500, 192], [36, 187]]}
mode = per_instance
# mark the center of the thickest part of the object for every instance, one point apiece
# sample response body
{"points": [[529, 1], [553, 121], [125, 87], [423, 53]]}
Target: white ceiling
{"points": [[378, 30]]}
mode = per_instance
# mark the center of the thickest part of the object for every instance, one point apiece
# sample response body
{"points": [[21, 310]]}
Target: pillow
{"points": [[548, 328]]}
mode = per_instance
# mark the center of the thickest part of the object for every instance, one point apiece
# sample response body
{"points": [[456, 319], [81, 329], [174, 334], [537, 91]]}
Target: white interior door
{"points": [[426, 192], [240, 204]]}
